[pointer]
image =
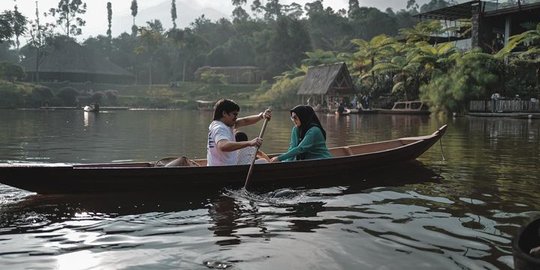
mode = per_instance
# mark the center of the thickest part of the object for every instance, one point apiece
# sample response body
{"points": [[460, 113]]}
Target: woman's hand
{"points": [[274, 160]]}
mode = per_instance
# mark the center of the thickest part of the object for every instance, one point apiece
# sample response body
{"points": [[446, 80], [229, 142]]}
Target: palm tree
{"points": [[404, 72], [439, 57], [422, 31], [531, 39], [369, 53]]}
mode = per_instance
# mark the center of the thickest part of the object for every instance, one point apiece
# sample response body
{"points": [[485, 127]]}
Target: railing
{"points": [[492, 5], [503, 105]]}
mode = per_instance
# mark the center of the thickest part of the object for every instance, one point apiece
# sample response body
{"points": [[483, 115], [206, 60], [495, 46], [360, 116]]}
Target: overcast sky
{"points": [[96, 15]]}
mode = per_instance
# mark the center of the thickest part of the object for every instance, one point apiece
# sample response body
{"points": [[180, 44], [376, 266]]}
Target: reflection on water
{"points": [[457, 213]]}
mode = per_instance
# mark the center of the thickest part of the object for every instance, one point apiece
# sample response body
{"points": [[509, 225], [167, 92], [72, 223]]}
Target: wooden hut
{"points": [[66, 60], [327, 85]]}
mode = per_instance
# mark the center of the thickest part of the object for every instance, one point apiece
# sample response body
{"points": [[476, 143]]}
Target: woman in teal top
{"points": [[308, 137]]}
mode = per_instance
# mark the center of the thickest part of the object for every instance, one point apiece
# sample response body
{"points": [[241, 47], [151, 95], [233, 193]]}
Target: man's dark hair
{"points": [[224, 105]]}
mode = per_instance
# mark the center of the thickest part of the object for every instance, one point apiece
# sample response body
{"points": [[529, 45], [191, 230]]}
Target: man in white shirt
{"points": [[222, 146]]}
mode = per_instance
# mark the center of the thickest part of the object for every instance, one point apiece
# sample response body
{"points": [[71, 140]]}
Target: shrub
{"points": [[97, 97], [68, 96], [112, 96], [11, 72], [283, 93], [41, 95], [211, 77]]}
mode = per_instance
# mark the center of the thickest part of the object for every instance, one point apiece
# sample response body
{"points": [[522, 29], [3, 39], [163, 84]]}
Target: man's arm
{"points": [[229, 146], [252, 119]]}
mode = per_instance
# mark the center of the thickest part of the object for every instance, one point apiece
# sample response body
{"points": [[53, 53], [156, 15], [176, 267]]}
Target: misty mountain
{"points": [[186, 13]]}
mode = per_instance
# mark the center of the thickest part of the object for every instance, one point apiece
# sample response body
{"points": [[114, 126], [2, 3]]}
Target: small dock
{"points": [[521, 109], [106, 108], [518, 115]]}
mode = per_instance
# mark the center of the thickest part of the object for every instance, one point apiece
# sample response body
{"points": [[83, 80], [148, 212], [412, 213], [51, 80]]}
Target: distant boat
{"points": [[91, 108], [407, 107], [205, 105]]}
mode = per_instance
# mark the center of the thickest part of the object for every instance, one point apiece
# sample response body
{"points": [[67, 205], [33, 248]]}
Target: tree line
{"points": [[274, 37], [387, 52]]}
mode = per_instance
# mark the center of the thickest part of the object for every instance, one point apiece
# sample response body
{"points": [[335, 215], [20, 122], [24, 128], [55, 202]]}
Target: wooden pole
{"points": [[255, 156]]}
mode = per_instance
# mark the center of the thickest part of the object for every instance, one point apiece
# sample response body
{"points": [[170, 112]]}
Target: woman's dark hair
{"points": [[308, 119], [224, 105], [240, 136]]}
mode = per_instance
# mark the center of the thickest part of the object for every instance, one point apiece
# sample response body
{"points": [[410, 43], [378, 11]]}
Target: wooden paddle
{"points": [[255, 156]]}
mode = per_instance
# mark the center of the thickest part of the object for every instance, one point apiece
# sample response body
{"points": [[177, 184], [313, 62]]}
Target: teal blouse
{"points": [[313, 145]]}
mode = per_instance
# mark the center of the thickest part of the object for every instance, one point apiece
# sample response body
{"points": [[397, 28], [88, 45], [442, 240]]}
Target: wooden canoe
{"points": [[148, 176], [527, 238]]}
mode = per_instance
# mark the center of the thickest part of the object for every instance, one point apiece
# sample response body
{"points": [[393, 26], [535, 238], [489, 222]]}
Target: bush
{"points": [[211, 77], [283, 94], [68, 96], [11, 72], [97, 97], [112, 96], [40, 96], [471, 77]]}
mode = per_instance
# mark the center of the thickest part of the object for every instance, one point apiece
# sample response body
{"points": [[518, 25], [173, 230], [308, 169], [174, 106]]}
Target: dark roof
{"points": [[455, 12], [487, 8], [70, 57], [327, 79]]}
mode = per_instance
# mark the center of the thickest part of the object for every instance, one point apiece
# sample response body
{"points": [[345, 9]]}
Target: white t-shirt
{"points": [[218, 131]]}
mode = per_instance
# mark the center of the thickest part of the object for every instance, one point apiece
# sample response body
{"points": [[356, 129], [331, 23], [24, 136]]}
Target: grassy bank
{"points": [[181, 95]]}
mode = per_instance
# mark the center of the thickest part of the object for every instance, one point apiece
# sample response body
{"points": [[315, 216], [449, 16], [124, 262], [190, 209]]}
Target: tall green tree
{"points": [[6, 31], [68, 16], [292, 35], [239, 13], [173, 13], [370, 22], [411, 4], [19, 26], [354, 6], [134, 10], [273, 10], [293, 10], [151, 38], [39, 35], [12, 23], [328, 30], [109, 20]]}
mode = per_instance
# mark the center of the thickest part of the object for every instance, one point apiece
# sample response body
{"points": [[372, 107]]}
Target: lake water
{"points": [[460, 212]]}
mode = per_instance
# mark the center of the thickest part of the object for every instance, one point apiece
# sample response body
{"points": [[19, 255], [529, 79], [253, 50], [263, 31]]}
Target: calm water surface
{"points": [[459, 212]]}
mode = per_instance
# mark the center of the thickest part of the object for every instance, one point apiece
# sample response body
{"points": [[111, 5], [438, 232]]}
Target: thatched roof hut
{"points": [[66, 60], [331, 80], [325, 83]]}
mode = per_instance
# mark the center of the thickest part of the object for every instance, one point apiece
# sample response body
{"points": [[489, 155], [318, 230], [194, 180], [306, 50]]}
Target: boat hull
{"points": [[527, 238], [141, 177]]}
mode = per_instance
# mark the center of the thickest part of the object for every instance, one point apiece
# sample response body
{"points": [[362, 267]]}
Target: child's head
{"points": [[240, 136]]}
